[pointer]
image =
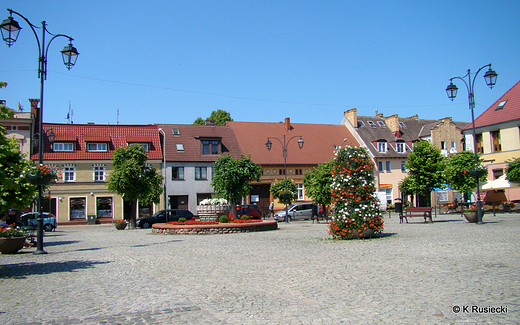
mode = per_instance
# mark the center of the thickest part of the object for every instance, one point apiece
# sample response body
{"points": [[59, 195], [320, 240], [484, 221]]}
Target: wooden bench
{"points": [[425, 212]]}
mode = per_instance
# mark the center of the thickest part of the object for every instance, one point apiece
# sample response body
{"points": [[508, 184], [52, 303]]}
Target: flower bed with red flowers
{"points": [[356, 208], [195, 227]]}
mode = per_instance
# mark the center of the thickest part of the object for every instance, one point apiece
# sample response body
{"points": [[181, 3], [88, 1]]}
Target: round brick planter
{"points": [[221, 228], [212, 212]]}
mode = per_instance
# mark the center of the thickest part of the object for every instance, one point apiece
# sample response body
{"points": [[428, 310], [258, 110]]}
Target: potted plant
{"points": [[43, 174], [120, 224], [211, 209], [12, 239], [470, 213]]}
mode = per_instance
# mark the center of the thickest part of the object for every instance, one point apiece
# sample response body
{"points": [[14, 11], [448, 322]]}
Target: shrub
{"points": [[244, 218], [182, 219], [223, 219]]}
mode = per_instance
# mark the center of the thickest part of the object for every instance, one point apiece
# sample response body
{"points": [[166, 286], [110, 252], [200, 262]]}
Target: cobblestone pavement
{"points": [[414, 273]]}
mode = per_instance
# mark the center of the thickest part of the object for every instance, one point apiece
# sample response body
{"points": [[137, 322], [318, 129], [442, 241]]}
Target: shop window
{"points": [[78, 208]]}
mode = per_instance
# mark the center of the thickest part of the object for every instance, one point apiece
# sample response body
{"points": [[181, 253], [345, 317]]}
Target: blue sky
{"points": [[173, 61]]}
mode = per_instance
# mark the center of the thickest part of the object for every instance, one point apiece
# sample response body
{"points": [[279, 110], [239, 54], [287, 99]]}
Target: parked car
{"points": [[298, 211], [252, 206], [246, 211], [164, 216], [29, 221]]}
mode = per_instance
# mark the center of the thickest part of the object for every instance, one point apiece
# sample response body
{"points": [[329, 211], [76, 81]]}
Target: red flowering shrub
{"points": [[196, 222], [356, 207]]}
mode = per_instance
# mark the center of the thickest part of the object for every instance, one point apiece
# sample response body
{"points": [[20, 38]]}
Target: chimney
{"points": [[415, 117], [288, 123], [392, 122], [209, 122], [351, 116], [35, 112]]}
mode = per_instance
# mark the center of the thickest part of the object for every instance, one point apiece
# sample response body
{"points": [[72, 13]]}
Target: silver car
{"points": [[297, 211]]}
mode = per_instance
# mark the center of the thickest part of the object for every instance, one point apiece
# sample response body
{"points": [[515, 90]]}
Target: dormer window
{"points": [[210, 147], [96, 146], [401, 146], [382, 146], [146, 146], [176, 131], [63, 146]]}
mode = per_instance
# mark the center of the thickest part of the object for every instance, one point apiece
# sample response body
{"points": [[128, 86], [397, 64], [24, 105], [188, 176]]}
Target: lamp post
{"points": [[165, 195], [10, 29], [284, 144], [491, 77]]}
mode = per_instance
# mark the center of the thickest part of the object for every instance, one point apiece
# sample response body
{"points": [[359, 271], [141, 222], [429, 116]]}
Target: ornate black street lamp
{"points": [[284, 144], [491, 78], [10, 30]]}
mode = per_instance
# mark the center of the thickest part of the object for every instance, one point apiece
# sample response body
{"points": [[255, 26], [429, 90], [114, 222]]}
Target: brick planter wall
{"points": [[224, 228], [212, 212]]}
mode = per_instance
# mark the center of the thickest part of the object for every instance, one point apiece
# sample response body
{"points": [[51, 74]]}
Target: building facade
{"points": [[83, 153]]}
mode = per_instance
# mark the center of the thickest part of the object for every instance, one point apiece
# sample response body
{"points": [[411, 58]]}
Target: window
{"points": [[77, 208], [63, 146], [177, 173], [453, 144], [372, 124], [401, 147], [180, 147], [403, 168], [401, 124], [300, 192], [382, 146], [501, 105], [380, 166], [175, 131], [93, 146], [443, 145], [388, 167], [104, 207], [98, 172], [360, 123], [144, 145], [69, 173], [381, 123], [480, 148], [201, 173], [210, 147], [495, 137], [497, 173]]}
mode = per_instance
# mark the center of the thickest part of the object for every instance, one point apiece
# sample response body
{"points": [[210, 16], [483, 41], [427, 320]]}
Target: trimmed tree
{"points": [[219, 116], [356, 208], [425, 167], [133, 179], [232, 178], [513, 170], [457, 171], [281, 194], [317, 184]]}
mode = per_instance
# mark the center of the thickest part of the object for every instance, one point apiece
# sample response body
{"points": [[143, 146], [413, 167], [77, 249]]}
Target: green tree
{"points": [[425, 167], [15, 190], [219, 116], [513, 170], [232, 178], [286, 197], [457, 173], [317, 184], [133, 179]]}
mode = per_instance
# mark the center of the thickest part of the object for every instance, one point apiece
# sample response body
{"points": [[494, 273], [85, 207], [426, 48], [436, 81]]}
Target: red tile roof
{"points": [[510, 111], [319, 141], [115, 135], [189, 136]]}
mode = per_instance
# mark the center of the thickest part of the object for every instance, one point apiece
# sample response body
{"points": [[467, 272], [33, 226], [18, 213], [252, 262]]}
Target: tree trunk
{"points": [[133, 212], [234, 209]]}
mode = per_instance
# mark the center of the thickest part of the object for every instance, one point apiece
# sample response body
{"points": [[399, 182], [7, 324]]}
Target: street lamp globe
{"points": [[10, 29]]}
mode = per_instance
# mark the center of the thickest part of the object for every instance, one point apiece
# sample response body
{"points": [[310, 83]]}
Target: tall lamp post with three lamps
{"points": [[10, 29], [491, 78], [284, 144]]}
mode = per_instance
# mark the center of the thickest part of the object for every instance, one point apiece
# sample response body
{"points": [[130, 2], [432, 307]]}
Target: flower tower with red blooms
{"points": [[356, 211]]}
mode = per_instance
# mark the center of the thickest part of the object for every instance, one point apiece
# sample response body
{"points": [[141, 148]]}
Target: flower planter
{"points": [[39, 179], [120, 226], [212, 212], [10, 245], [471, 217]]}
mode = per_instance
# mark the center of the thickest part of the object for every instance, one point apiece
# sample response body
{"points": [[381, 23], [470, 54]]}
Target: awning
{"points": [[444, 187], [500, 183]]}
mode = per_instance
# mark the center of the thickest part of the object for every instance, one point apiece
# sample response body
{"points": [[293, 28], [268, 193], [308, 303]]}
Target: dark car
{"points": [[29, 221], [164, 216], [242, 211]]}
